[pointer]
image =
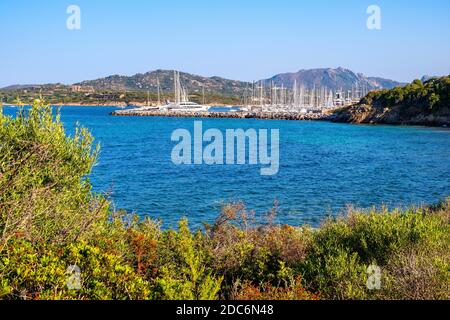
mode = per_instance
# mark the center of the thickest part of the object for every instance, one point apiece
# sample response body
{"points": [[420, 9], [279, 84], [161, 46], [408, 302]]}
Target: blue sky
{"points": [[237, 39]]}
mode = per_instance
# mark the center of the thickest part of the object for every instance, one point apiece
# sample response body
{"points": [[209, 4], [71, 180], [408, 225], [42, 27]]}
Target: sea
{"points": [[324, 168]]}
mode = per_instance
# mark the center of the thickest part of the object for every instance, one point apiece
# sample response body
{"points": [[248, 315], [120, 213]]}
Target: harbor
{"points": [[258, 103]]}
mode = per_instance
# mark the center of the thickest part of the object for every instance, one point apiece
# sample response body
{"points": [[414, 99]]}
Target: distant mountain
{"points": [[148, 81], [21, 87], [334, 79]]}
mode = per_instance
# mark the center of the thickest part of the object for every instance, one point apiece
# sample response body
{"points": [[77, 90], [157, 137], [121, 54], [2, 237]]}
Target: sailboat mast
{"points": [[175, 88], [294, 94], [203, 94], [253, 92], [159, 91], [261, 93]]}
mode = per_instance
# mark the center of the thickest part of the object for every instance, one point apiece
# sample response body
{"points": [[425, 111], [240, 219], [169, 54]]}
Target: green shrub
{"points": [[29, 274], [185, 276], [430, 97], [41, 272], [44, 193], [105, 276], [342, 250], [242, 250], [419, 273]]}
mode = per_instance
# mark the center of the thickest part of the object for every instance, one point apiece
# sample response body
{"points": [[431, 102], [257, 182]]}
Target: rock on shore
{"points": [[367, 114]]}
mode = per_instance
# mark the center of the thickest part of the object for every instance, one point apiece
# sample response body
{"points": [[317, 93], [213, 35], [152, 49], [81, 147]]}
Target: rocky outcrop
{"points": [[418, 103], [370, 115]]}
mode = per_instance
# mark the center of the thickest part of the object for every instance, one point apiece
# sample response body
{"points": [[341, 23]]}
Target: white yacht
{"points": [[147, 108], [181, 102], [184, 106]]}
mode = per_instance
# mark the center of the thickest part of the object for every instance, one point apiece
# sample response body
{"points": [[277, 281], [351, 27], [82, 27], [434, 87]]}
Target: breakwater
{"points": [[228, 115]]}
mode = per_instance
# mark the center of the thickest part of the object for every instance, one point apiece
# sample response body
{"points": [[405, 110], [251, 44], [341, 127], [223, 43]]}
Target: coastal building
{"points": [[83, 89]]}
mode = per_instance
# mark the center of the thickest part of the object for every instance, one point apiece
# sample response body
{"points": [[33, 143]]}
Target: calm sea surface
{"points": [[323, 168]]}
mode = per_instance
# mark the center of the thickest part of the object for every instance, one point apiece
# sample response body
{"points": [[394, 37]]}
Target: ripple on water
{"points": [[323, 168]]}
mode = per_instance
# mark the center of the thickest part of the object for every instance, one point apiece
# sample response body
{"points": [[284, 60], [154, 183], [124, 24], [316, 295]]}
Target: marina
{"points": [[270, 97], [258, 102], [181, 99]]}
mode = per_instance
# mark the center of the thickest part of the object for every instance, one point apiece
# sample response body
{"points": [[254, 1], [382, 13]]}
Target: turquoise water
{"points": [[323, 168]]}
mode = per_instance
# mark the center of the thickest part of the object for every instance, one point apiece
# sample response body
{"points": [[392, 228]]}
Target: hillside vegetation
{"points": [[333, 79], [132, 90], [51, 221], [56, 94], [422, 103]]}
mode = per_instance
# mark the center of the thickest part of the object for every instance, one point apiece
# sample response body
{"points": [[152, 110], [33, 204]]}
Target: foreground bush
{"points": [[51, 221], [44, 192], [293, 290], [183, 271], [342, 251], [32, 272]]}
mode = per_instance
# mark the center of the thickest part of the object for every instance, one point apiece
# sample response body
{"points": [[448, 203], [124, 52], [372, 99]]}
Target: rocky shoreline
{"points": [[351, 115], [227, 115], [366, 114]]}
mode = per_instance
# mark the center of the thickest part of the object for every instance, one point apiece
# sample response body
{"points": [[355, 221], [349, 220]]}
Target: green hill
{"points": [[418, 103]]}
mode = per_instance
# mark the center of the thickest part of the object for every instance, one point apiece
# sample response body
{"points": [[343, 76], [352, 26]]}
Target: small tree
{"points": [[187, 278], [45, 194]]}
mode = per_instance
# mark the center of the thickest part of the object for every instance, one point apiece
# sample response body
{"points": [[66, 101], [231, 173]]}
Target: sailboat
{"points": [[181, 102], [147, 106]]}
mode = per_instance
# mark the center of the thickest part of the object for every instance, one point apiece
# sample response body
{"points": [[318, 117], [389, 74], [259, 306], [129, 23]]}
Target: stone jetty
{"points": [[227, 115]]}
